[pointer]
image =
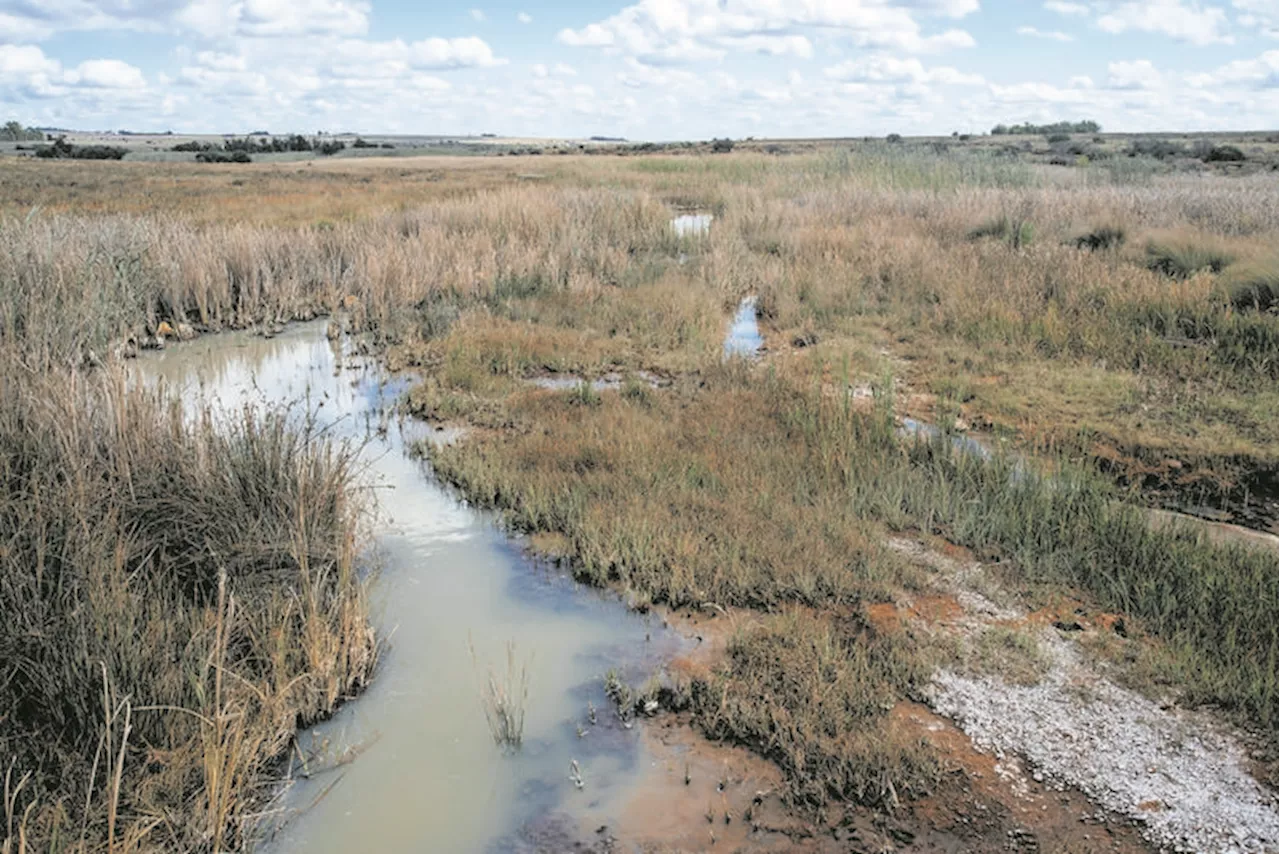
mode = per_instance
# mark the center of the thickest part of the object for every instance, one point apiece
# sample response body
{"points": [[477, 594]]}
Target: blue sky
{"points": [[648, 69]]}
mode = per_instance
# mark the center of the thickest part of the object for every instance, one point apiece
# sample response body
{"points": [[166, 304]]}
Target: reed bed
{"points": [[180, 600]]}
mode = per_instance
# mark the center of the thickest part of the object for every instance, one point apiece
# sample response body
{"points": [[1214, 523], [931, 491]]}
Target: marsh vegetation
{"points": [[1116, 329]]}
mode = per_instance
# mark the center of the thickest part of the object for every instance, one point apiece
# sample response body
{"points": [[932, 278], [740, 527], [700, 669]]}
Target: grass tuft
{"points": [[1183, 258]]}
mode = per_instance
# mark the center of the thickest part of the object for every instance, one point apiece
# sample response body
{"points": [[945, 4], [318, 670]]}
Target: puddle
{"points": [[692, 224], [913, 429], [428, 776], [744, 337], [612, 381]]}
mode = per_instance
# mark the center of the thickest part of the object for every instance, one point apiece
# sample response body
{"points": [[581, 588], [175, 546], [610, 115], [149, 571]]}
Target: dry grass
{"points": [[179, 601]]}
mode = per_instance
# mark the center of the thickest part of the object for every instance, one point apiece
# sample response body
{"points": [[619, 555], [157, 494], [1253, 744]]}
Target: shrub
{"points": [[722, 146], [1182, 259], [1059, 137], [1160, 149], [1104, 237], [1028, 129], [224, 157], [63, 149], [193, 145], [893, 137], [362, 143], [1223, 154]]}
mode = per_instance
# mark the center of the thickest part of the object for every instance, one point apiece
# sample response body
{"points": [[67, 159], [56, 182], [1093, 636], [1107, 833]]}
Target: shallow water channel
{"points": [[744, 337], [428, 775]]}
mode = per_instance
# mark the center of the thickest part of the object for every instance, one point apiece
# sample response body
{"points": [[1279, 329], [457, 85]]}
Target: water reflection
{"points": [[430, 777], [744, 337]]}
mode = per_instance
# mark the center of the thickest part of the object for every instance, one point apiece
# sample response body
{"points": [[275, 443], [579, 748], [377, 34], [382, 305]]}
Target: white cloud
{"points": [[477, 14], [1262, 72], [673, 31], [1135, 74], [524, 17], [1065, 8], [888, 69], [430, 54], [16, 29], [1052, 35], [106, 74], [792, 45], [23, 60], [565, 70], [221, 61], [213, 19], [1257, 14], [1184, 22], [302, 17], [26, 70]]}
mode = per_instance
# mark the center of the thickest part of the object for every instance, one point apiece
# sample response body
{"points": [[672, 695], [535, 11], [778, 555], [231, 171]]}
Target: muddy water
{"points": [[427, 775], [744, 337]]}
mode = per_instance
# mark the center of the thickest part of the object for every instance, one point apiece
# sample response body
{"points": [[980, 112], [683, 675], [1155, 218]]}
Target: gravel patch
{"points": [[1174, 772], [1182, 776]]}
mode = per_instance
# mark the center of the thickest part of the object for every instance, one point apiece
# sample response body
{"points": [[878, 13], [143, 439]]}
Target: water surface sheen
{"points": [[744, 337], [429, 777], [692, 224]]}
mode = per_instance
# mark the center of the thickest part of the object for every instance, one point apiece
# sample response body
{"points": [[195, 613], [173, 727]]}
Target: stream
{"points": [[426, 773]]}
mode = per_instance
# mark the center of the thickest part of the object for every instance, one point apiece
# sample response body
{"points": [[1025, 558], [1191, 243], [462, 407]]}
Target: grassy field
{"points": [[1112, 320]]}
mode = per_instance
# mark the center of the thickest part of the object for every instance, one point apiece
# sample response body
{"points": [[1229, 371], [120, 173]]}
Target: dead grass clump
{"points": [[180, 600]]}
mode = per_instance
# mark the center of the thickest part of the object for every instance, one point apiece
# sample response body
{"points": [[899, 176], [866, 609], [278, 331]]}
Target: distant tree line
{"points": [[1025, 129], [15, 132], [272, 145]]}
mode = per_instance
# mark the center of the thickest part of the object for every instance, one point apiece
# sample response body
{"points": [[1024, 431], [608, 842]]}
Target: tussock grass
{"points": [[1253, 285], [1182, 258], [1016, 232], [180, 600]]}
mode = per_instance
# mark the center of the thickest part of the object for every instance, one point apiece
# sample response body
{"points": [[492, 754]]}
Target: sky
{"points": [[644, 70]]}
